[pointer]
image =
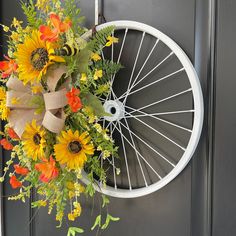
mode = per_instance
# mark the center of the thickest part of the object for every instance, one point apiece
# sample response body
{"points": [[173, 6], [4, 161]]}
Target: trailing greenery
{"points": [[73, 11], [31, 14]]}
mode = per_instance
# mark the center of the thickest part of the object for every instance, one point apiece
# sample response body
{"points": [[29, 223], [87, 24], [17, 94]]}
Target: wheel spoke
{"points": [[145, 62], [124, 151], [154, 82], [148, 145], [140, 154], [118, 60], [134, 66], [133, 85], [158, 113], [136, 153], [158, 132], [163, 100], [122, 45], [157, 118], [113, 161]]}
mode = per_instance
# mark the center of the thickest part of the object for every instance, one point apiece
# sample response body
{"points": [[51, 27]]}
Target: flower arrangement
{"points": [[52, 80]]}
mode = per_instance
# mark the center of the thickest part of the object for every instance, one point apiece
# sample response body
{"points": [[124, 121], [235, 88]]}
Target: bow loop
{"points": [[20, 97]]}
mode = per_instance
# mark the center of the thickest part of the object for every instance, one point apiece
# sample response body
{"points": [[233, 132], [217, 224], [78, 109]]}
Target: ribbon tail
{"points": [[53, 123], [20, 117]]}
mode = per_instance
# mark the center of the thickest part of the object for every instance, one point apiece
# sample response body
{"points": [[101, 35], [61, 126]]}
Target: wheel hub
{"points": [[115, 108]]}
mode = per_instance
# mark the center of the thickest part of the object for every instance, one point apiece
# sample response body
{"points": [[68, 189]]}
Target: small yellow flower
{"points": [[15, 101], [83, 77], [97, 74], [14, 36], [37, 89], [79, 188], [71, 194], [106, 137], [28, 29], [43, 5], [71, 217], [111, 40], [77, 210], [59, 216], [42, 203], [70, 185], [5, 28], [95, 57], [58, 5], [98, 127], [16, 23], [106, 154]]}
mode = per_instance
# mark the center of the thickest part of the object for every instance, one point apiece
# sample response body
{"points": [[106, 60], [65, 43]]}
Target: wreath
{"points": [[52, 81]]}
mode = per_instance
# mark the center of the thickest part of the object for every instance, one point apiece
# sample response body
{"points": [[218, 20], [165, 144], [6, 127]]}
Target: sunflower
{"points": [[4, 110], [73, 149], [33, 140], [34, 56]]}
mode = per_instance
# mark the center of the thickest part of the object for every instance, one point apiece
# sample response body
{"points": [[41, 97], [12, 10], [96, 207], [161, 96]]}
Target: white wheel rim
{"points": [[197, 119]]}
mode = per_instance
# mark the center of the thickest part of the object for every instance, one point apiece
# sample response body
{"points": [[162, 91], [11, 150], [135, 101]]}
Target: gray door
{"points": [[201, 200]]}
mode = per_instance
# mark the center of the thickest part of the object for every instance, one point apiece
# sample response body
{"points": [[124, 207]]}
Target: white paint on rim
{"points": [[198, 114]]}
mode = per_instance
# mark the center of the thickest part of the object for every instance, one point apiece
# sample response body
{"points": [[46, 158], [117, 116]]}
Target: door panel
{"points": [[224, 188]]}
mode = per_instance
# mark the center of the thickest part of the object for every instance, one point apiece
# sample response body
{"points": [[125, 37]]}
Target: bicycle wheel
{"points": [[156, 109]]}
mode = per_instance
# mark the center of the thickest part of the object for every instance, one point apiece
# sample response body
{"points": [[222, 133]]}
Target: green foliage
{"points": [[100, 39], [109, 70], [98, 222], [90, 190], [105, 200], [88, 99], [73, 11], [72, 231], [83, 59], [108, 220], [31, 14]]}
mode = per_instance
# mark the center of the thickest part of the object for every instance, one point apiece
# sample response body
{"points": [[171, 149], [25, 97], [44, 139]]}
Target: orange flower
{"points": [[6, 144], [48, 169], [51, 35], [15, 183], [74, 100], [12, 134], [21, 170], [7, 67]]}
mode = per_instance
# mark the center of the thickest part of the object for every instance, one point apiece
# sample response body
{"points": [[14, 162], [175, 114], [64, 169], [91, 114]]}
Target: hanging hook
{"points": [[99, 17], [96, 12]]}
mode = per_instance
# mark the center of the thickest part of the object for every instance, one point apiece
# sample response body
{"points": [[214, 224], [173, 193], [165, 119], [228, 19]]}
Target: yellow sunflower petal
{"points": [[66, 151]]}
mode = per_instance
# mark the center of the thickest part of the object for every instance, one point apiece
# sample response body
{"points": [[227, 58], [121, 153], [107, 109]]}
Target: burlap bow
{"points": [[22, 111]]}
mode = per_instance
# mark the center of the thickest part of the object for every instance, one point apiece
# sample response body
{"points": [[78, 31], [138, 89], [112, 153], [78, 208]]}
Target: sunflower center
{"points": [[74, 147], [39, 58], [37, 139]]}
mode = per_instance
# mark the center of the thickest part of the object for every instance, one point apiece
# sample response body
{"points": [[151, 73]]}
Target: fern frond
{"points": [[100, 38], [31, 14]]}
